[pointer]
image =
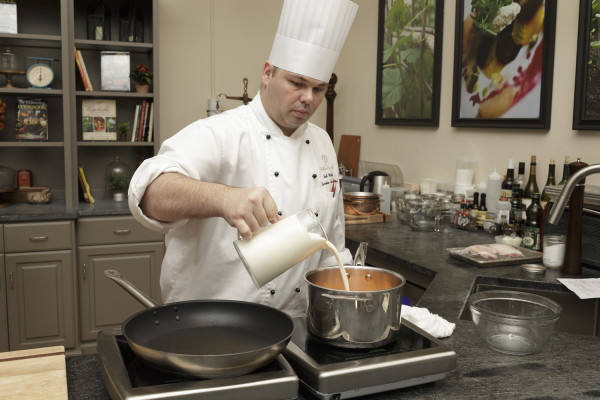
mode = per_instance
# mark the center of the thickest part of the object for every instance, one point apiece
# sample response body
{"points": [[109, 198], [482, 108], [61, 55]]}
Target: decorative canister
{"points": [[24, 178]]}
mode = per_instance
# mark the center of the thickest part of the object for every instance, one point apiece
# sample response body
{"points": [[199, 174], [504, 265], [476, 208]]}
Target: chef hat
{"points": [[310, 36]]}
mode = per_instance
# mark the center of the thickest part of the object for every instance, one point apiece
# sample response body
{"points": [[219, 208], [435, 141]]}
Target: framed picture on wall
{"points": [[503, 63], [586, 112], [409, 61]]}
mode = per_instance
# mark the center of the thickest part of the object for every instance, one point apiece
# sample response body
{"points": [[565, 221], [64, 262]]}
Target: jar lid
{"points": [[533, 268]]}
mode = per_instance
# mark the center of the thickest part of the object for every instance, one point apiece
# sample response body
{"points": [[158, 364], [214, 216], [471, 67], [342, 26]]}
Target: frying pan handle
{"points": [[132, 290]]}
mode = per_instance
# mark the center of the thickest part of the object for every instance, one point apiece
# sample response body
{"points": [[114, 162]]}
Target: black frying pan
{"points": [[205, 338]]}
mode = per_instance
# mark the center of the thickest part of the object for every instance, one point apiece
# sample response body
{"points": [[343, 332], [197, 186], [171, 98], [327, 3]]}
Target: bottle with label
{"points": [[482, 206], [462, 218], [531, 187], [503, 210], [566, 174], [475, 204], [515, 217], [531, 228], [551, 181], [508, 180], [520, 179]]}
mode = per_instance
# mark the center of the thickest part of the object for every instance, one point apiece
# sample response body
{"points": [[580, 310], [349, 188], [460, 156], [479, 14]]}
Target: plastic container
{"points": [[493, 191], [386, 201]]}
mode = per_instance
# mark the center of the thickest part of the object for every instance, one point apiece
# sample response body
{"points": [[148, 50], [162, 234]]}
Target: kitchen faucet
{"points": [[573, 191]]}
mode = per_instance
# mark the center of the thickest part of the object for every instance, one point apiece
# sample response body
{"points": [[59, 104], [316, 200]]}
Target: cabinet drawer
{"points": [[1, 239], [38, 236], [108, 230]]}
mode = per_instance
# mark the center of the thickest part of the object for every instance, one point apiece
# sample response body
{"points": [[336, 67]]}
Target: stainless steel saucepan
{"points": [[367, 316]]}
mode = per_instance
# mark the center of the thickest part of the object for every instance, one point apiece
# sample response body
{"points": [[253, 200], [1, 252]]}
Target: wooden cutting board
{"points": [[33, 374], [349, 152], [367, 219]]}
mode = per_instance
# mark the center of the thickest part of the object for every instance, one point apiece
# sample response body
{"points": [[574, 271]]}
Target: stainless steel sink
{"points": [[578, 316]]}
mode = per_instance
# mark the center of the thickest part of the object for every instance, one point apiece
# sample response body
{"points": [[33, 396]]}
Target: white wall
{"points": [[208, 46]]}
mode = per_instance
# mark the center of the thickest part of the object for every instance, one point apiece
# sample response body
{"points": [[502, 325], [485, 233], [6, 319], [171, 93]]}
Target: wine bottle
{"points": [[551, 181], [566, 174], [520, 179], [515, 217], [531, 228], [508, 181], [531, 187]]}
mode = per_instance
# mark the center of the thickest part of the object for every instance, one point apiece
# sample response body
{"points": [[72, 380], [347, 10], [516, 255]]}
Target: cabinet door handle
{"points": [[11, 280], [84, 272], [121, 231], [38, 238]]}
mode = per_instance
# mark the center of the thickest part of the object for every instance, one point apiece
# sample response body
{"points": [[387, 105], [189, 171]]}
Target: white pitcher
{"points": [[278, 247]]}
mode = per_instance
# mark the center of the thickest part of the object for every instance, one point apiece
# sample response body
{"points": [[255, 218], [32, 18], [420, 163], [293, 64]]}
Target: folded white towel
{"points": [[430, 323]]}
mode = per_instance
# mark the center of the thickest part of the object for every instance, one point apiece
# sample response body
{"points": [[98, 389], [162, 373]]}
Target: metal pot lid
{"points": [[361, 195]]}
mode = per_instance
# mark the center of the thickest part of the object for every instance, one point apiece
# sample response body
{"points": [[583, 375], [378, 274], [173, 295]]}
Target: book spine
{"points": [[87, 186], [145, 126], [136, 117], [151, 123], [87, 77], [141, 120], [81, 72]]}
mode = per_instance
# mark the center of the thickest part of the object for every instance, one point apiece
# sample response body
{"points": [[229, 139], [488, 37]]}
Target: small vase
{"points": [[142, 88]]}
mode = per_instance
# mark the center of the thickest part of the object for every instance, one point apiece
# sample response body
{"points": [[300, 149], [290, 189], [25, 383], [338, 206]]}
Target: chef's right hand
{"points": [[248, 209]]}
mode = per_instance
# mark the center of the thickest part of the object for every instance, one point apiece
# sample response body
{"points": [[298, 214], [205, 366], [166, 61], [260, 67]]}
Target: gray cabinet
{"points": [[40, 285], [3, 318], [123, 244], [94, 156], [50, 29]]}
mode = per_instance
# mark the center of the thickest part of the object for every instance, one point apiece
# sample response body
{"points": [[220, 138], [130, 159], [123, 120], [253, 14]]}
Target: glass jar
{"points": [[402, 206], [8, 61], [553, 251], [117, 176], [445, 219], [423, 215]]}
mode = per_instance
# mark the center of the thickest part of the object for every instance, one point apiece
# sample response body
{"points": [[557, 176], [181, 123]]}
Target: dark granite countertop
{"points": [[566, 369], [56, 210]]}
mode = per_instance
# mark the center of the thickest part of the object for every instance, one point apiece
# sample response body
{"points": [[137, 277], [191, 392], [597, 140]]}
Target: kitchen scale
{"points": [[127, 377], [328, 372]]}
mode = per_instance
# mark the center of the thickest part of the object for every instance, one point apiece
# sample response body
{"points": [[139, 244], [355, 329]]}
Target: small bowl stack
{"points": [[513, 322]]}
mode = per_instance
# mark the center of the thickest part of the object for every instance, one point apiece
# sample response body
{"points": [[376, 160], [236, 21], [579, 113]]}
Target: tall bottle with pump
{"points": [[551, 181], [531, 228]]}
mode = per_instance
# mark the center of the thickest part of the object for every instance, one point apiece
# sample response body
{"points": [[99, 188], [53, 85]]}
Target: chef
{"points": [[233, 173]]}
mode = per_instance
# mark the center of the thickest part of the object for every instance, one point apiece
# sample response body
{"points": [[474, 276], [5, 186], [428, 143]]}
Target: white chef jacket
{"points": [[243, 147]]}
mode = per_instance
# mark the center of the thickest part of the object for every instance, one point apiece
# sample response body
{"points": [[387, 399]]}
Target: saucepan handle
{"points": [[360, 257], [130, 288]]}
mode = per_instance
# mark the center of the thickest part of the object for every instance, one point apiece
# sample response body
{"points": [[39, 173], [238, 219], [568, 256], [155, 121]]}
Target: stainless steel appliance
{"points": [[328, 372], [126, 377]]}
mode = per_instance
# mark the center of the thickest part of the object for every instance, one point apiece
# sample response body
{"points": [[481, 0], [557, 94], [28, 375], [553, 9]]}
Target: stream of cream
{"points": [[331, 247]]}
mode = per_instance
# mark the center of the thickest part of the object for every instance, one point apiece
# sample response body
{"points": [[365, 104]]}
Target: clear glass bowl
{"points": [[513, 322]]}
